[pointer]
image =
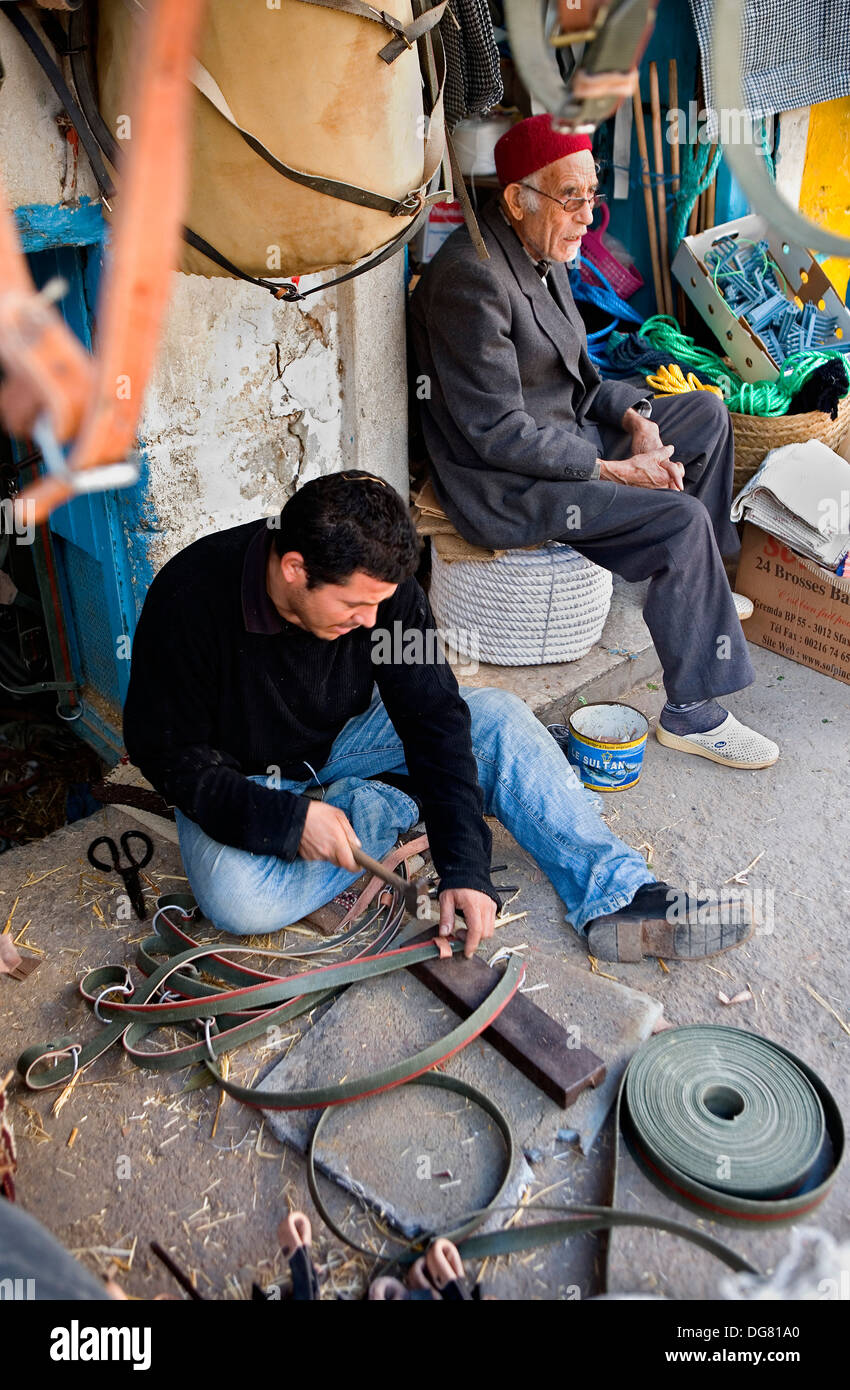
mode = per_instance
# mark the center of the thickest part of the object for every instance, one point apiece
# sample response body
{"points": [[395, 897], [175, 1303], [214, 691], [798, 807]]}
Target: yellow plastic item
{"points": [[670, 381]]}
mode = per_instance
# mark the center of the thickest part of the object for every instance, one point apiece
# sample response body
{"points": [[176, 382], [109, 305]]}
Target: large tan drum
{"points": [[309, 83]]}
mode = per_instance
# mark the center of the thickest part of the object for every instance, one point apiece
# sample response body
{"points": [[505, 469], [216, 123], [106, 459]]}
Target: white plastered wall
{"points": [[252, 396]]}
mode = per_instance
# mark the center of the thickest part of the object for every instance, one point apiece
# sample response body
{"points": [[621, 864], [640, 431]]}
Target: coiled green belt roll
{"points": [[732, 1124]]}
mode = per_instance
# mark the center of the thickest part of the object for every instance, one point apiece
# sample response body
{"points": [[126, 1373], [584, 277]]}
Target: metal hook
{"points": [[126, 989], [208, 1023]]}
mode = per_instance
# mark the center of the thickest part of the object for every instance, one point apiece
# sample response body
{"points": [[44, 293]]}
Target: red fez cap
{"points": [[531, 145]]}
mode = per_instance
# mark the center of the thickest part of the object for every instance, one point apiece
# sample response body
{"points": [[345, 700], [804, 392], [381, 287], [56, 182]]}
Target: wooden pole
{"points": [[675, 163], [675, 133], [647, 197], [660, 193], [711, 196], [693, 220]]}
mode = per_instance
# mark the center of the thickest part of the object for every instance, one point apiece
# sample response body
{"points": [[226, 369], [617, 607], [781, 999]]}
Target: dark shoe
{"points": [[667, 922]]}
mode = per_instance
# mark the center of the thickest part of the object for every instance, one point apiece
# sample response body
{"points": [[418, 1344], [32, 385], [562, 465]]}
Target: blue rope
{"points": [[629, 355], [605, 297]]}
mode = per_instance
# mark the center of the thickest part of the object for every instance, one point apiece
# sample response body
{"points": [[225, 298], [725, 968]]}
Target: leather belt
{"points": [[174, 995]]}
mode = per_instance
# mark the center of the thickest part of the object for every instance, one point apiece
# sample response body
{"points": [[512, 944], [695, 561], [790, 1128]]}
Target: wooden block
{"points": [[526, 1036]]}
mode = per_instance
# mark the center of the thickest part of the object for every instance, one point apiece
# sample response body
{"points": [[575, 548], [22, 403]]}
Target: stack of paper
{"points": [[801, 495]]}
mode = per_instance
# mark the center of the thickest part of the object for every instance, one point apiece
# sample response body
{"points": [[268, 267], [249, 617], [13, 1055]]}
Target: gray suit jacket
{"points": [[510, 401]]}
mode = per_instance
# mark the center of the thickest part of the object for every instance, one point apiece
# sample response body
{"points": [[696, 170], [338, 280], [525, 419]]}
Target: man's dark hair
{"points": [[346, 522]]}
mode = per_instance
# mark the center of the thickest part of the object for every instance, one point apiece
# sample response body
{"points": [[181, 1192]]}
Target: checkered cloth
{"points": [[794, 54], [473, 75]]}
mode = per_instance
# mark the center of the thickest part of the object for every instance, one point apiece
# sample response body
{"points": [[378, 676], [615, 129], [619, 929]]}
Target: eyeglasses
{"points": [[595, 200]]}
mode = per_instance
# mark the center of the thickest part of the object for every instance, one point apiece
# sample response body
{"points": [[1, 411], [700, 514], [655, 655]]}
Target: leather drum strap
{"points": [[411, 203], [405, 36]]}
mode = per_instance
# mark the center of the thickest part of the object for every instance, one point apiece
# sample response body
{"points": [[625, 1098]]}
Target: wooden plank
{"points": [[524, 1035]]}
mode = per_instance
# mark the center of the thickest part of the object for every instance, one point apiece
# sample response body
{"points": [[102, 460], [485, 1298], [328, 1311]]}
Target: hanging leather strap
{"points": [[466, 207], [291, 293]]}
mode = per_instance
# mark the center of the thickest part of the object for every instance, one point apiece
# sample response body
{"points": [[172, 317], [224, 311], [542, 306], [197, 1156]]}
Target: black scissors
{"points": [[129, 871]]}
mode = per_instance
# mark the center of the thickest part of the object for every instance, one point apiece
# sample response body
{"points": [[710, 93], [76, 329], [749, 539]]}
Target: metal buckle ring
{"points": [[412, 203], [288, 292], [126, 989], [174, 907], [208, 1023], [73, 1051]]}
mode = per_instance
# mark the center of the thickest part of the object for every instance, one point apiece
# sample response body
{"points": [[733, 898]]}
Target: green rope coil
{"points": [[742, 397], [698, 169]]}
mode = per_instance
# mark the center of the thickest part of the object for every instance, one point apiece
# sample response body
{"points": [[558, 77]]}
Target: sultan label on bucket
{"points": [[605, 744]]}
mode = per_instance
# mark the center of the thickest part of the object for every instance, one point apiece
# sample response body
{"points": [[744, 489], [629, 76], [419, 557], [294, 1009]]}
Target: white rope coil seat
{"points": [[525, 608]]}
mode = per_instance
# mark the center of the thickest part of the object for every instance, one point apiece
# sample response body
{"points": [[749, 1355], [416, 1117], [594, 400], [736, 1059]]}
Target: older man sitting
{"points": [[528, 444]]}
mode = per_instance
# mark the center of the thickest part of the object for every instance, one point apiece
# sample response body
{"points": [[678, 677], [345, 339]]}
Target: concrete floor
{"points": [[144, 1164]]}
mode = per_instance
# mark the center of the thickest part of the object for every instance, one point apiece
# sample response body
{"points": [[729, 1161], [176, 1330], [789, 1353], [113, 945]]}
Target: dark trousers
{"points": [[676, 540]]}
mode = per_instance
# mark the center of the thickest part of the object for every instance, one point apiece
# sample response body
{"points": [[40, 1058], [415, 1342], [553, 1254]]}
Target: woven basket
{"points": [[527, 608], [756, 435]]}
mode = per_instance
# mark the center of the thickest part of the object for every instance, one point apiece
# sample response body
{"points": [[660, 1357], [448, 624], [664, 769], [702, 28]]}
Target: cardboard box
{"points": [[741, 344], [801, 610]]}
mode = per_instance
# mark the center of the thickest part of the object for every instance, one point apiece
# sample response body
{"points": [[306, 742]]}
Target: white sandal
{"points": [[731, 743]]}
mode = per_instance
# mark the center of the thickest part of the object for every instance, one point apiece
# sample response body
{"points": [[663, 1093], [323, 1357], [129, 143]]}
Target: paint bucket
{"points": [[605, 744]]}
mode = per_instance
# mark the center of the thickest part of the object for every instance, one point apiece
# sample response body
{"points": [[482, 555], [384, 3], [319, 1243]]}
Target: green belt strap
{"points": [[257, 1003], [726, 1122], [678, 1105]]}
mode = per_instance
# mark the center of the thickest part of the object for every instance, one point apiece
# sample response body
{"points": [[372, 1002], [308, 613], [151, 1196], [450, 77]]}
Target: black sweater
{"points": [[222, 688]]}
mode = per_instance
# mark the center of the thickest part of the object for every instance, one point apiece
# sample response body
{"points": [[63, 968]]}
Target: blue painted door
{"points": [[90, 541]]}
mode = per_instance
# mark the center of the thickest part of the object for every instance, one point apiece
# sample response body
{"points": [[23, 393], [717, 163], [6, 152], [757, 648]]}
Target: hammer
{"points": [[415, 894]]}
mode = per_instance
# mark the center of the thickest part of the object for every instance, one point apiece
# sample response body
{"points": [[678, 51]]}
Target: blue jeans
{"points": [[527, 783]]}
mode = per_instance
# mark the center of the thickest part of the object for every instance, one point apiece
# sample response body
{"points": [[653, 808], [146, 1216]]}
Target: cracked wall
{"points": [[252, 396]]}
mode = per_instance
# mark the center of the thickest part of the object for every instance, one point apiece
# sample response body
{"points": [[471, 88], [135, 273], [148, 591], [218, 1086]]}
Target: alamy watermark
{"points": [[413, 646], [834, 514], [82, 1343], [706, 907], [704, 125], [17, 1290], [17, 518]]}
